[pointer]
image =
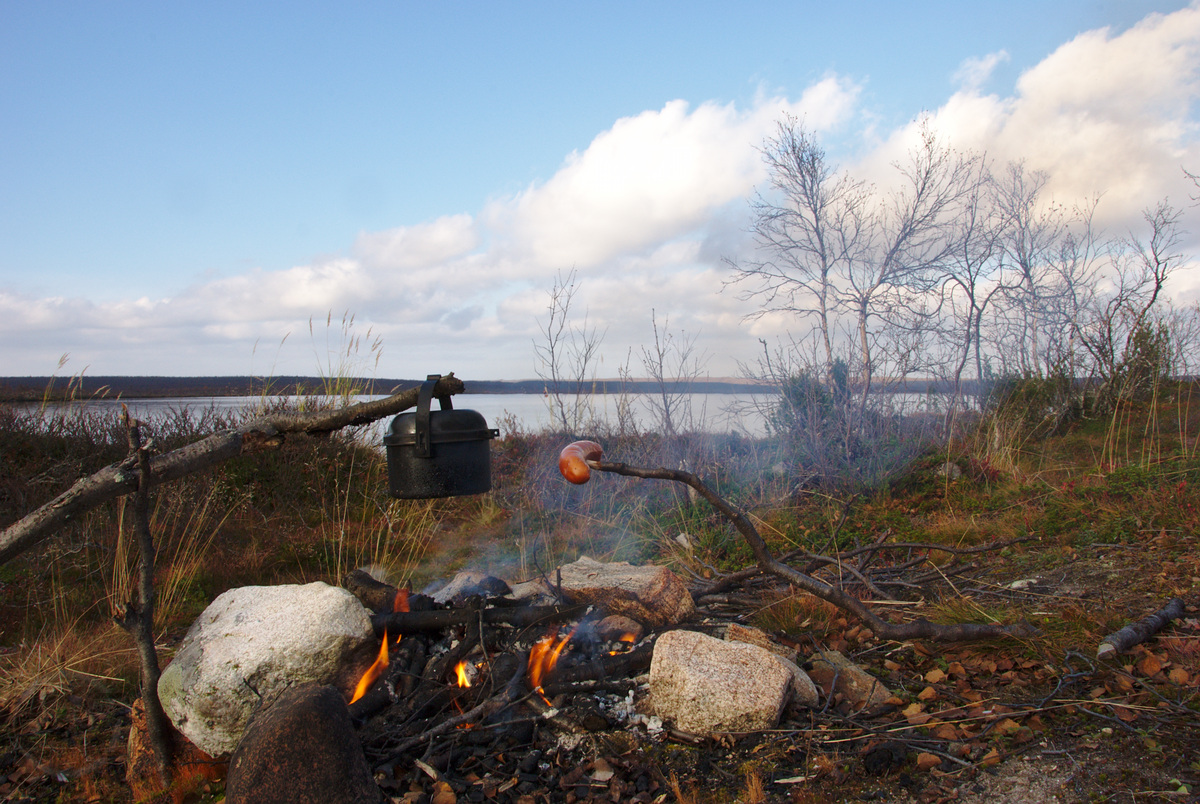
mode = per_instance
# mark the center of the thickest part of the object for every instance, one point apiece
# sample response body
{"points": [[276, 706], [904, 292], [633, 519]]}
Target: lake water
{"points": [[711, 413]]}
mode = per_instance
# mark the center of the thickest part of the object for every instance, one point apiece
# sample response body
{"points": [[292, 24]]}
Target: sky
{"points": [[215, 188]]}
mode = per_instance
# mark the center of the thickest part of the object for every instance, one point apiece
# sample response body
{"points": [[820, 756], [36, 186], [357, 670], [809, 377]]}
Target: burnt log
{"points": [[408, 622], [376, 595]]}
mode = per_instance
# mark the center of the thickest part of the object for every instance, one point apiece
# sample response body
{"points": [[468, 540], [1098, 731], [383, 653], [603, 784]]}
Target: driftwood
{"points": [[918, 629], [120, 479], [1143, 629]]}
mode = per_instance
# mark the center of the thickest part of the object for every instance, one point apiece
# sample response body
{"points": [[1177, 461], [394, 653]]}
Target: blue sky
{"points": [[182, 185]]}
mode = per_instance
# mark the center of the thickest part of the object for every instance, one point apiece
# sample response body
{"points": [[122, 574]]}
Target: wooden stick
{"points": [[119, 479], [138, 618], [918, 629], [1143, 629]]}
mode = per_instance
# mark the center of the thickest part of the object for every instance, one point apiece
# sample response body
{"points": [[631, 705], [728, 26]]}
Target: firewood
{"points": [[1143, 629], [408, 622]]}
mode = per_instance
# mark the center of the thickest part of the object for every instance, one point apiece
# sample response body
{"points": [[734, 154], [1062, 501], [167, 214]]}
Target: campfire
{"points": [[566, 687]]}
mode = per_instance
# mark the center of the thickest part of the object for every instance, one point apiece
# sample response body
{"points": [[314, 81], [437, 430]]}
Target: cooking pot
{"points": [[438, 453]]}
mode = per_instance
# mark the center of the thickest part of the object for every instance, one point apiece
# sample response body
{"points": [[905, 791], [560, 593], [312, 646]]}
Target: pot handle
{"points": [[422, 430]]}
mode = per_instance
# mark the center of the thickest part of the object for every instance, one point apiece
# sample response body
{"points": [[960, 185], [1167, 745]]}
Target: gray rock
{"points": [[250, 644], [301, 748], [804, 691], [467, 584], [837, 674], [706, 685]]}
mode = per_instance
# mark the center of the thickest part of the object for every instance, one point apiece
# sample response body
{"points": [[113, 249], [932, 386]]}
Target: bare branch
{"points": [[119, 479]]}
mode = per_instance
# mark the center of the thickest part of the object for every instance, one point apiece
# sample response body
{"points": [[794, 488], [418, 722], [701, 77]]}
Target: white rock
{"points": [[708, 685], [249, 644]]}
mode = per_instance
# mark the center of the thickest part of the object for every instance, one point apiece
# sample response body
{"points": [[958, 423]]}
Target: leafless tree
{"points": [[1033, 240], [808, 226], [567, 355], [973, 278], [673, 364], [909, 236], [1111, 321]]}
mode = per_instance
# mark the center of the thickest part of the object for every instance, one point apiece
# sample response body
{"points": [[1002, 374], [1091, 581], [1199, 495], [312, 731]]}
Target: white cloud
{"points": [[645, 212], [653, 177], [418, 246], [1108, 113], [973, 73]]}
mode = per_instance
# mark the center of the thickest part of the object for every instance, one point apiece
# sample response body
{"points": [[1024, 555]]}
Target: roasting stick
{"points": [[577, 461]]}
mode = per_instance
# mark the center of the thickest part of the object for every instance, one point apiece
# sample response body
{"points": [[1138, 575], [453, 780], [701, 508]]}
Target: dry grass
{"points": [[60, 661], [317, 508]]}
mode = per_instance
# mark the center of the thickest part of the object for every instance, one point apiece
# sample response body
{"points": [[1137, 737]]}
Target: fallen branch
{"points": [[918, 629], [119, 479], [1143, 629]]}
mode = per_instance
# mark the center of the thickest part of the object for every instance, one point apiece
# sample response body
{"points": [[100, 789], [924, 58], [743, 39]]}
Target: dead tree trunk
{"points": [[1139, 632]]}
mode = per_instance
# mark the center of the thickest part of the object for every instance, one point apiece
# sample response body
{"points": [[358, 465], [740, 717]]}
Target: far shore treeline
{"points": [[37, 389]]}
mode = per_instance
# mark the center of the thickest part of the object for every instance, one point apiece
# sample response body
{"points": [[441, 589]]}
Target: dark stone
{"points": [[301, 749]]}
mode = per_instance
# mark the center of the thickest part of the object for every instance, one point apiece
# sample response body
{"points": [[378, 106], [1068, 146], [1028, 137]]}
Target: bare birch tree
{"points": [[567, 355], [1109, 323], [808, 225]]}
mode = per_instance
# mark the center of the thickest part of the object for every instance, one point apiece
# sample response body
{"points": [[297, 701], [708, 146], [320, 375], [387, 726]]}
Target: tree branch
{"points": [[119, 479], [918, 629]]}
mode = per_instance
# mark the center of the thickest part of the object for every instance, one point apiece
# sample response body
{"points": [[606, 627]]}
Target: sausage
{"points": [[572, 460]]}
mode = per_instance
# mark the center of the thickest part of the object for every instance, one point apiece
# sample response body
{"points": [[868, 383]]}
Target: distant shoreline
{"points": [[35, 389]]}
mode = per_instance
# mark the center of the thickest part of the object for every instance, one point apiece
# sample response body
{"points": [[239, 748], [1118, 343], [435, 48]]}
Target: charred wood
{"points": [[376, 595], [407, 622]]}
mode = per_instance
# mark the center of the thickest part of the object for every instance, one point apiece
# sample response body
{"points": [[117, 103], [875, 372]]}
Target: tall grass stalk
{"points": [[184, 531]]}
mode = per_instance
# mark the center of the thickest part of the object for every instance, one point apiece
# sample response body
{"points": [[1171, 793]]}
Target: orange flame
{"points": [[373, 672], [460, 670], [543, 657], [401, 601]]}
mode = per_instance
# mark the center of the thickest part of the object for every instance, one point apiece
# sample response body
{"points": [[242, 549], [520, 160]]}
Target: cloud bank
{"points": [[645, 215]]}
